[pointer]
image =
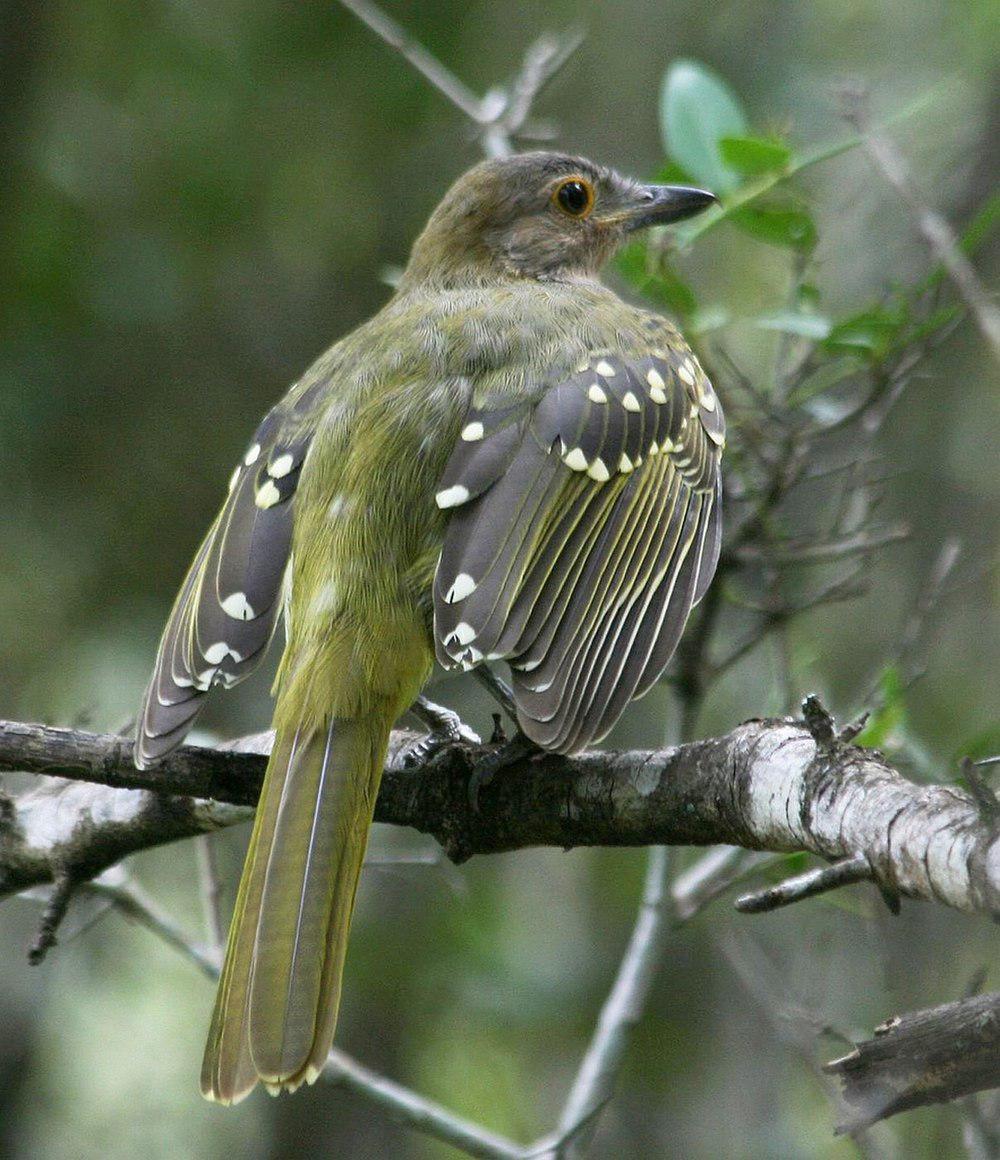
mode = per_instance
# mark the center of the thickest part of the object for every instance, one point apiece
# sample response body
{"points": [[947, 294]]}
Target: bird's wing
{"points": [[583, 530], [227, 609]]}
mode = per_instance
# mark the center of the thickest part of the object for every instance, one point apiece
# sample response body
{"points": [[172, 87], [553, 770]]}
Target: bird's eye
{"points": [[575, 197]]}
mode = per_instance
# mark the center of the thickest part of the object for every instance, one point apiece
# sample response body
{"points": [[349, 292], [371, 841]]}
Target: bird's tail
{"points": [[276, 1007]]}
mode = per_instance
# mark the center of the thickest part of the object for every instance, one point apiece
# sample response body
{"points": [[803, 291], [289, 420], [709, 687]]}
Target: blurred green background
{"points": [[196, 199]]}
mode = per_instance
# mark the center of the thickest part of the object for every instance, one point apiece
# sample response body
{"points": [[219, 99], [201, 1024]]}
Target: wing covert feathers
{"points": [[581, 533]]}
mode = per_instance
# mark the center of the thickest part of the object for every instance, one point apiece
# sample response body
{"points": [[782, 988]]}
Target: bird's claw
{"points": [[488, 766], [445, 728]]}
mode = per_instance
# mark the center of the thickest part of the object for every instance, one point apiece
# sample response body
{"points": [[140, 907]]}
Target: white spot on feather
{"points": [[684, 373], [234, 479], [473, 432], [464, 634], [625, 465], [596, 394], [463, 586], [452, 496], [238, 607], [598, 470], [216, 653], [576, 460], [655, 379], [281, 466], [253, 452], [717, 438], [631, 403], [267, 495], [605, 368], [657, 395]]}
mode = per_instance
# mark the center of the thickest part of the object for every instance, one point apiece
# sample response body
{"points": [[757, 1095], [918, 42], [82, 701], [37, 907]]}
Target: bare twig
{"points": [[209, 881], [934, 229], [429, 67], [622, 1010], [793, 1025], [417, 1112], [502, 114], [136, 904], [806, 885], [821, 553]]}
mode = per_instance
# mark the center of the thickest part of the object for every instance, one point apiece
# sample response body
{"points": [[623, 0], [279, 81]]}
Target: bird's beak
{"points": [[657, 205]]}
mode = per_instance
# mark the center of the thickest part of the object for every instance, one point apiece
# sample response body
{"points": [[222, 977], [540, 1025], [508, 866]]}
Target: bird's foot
{"points": [[446, 727], [508, 754]]}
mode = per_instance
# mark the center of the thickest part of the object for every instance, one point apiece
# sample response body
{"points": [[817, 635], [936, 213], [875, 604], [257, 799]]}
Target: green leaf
{"points": [[753, 156], [808, 296], [661, 285], [687, 233], [805, 325], [870, 333], [981, 227], [697, 108], [890, 716], [672, 174], [823, 378], [778, 225]]}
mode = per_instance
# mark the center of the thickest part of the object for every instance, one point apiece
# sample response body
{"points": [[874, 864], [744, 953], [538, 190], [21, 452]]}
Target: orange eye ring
{"points": [[574, 197]]}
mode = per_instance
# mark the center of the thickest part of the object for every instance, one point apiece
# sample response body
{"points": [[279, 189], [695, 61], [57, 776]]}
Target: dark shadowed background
{"points": [[196, 199]]}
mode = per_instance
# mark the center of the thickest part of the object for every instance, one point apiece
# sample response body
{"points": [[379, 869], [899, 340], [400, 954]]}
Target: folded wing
{"points": [[228, 607], [583, 531]]}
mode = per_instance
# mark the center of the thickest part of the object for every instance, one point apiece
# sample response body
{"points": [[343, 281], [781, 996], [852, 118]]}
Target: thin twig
{"points": [[136, 904], [502, 114], [623, 1007], [208, 878], [417, 1112], [933, 227], [428, 65], [790, 1021], [821, 553], [807, 885]]}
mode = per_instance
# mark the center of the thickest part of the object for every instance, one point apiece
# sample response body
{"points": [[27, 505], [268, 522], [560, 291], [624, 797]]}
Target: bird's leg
{"points": [[509, 752], [498, 689], [445, 727]]}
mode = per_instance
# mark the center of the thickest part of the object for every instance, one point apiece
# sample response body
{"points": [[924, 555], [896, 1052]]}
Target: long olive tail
{"points": [[276, 1008]]}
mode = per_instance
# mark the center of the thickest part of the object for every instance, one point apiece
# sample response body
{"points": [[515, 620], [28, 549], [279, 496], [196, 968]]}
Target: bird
{"points": [[508, 462]]}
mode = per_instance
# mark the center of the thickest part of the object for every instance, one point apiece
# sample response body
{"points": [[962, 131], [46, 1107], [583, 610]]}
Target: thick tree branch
{"points": [[927, 1057], [767, 785]]}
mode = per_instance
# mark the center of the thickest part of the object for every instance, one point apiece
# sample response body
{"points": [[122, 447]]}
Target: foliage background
{"points": [[195, 199]]}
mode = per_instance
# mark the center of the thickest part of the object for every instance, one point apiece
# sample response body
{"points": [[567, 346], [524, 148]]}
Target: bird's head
{"points": [[540, 215]]}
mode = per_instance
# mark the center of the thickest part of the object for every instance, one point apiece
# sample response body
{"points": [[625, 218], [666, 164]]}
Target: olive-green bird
{"points": [[507, 462]]}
